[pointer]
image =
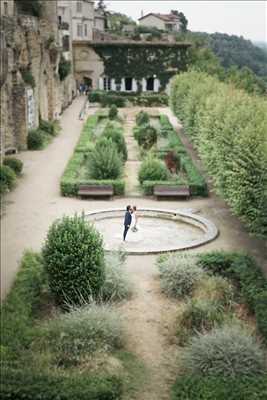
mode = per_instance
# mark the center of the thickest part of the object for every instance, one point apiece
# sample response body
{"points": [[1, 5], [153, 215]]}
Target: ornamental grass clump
{"points": [[198, 316], [216, 289], [114, 132], [230, 351], [83, 331], [117, 285], [152, 169], [178, 274], [104, 162], [74, 260], [113, 112]]}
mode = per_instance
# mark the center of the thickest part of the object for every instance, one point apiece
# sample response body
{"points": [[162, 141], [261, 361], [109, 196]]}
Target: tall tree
{"points": [[183, 20]]}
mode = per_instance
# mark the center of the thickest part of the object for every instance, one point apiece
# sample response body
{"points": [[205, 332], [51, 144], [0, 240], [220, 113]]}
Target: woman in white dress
{"points": [[134, 220]]}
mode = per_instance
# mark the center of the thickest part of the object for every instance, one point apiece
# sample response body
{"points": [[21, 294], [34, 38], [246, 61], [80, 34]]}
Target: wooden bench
{"points": [[171, 191], [95, 190]]}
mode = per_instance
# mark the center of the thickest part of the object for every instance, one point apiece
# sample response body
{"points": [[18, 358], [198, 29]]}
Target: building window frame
{"points": [[129, 84], [5, 8], [107, 84], [85, 30], [79, 30], [79, 7]]}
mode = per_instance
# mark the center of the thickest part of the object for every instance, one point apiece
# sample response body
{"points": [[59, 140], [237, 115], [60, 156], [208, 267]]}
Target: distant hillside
{"points": [[235, 50]]}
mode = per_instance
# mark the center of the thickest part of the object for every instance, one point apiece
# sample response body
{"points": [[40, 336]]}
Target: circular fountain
{"points": [[159, 230]]}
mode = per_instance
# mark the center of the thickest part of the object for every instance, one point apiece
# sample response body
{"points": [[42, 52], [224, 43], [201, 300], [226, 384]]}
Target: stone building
{"points": [[30, 84], [165, 22]]}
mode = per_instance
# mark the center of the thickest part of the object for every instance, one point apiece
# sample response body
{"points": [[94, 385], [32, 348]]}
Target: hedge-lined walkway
{"points": [[132, 164]]}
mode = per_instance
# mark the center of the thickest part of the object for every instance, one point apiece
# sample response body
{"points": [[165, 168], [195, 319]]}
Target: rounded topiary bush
{"points": [[229, 351], [7, 178], [14, 164], [142, 118], [104, 162], [152, 169], [146, 135], [113, 112], [114, 132], [198, 316], [74, 260], [178, 274], [35, 139]]}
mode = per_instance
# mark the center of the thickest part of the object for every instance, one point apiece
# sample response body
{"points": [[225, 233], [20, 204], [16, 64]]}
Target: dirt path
{"points": [[132, 164], [149, 318]]}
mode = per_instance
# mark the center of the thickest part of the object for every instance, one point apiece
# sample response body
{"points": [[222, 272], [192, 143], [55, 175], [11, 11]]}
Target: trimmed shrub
{"points": [[216, 289], [113, 112], [35, 139], [219, 388], [74, 260], [198, 316], [228, 128], [83, 331], [178, 274], [229, 351], [246, 274], [152, 169], [30, 384], [21, 304], [146, 135], [142, 118], [114, 132], [117, 285], [7, 178], [104, 161], [14, 163]]}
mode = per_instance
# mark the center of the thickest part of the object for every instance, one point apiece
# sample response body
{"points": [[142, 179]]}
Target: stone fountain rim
{"points": [[210, 230]]}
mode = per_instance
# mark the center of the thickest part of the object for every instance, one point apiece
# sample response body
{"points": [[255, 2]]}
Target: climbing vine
{"points": [[142, 61]]}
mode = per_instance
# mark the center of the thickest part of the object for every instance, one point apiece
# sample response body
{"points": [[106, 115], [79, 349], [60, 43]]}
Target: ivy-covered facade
{"points": [[131, 66]]}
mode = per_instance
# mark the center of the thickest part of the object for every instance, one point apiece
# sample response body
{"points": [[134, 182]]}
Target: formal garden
{"points": [[83, 321]]}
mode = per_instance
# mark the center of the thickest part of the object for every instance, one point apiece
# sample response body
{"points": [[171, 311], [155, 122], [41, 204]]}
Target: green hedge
{"points": [[228, 127], [72, 177], [148, 186], [119, 98], [31, 385], [209, 388], [244, 271]]}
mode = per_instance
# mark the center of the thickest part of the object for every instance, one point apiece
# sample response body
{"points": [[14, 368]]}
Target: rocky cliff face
{"points": [[30, 84]]}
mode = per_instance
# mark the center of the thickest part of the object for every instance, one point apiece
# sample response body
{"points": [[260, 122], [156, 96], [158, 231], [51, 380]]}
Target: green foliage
{"points": [[216, 289], [178, 274], [74, 260], [14, 163], [197, 316], [64, 68], [229, 131], [152, 169], [29, 384], [245, 79], [35, 139], [142, 118], [50, 127], [21, 305], [219, 388], [229, 351], [104, 162], [7, 178], [106, 99], [114, 132], [113, 112], [128, 60], [31, 7], [116, 21], [244, 271], [117, 285], [28, 77], [76, 335], [146, 135]]}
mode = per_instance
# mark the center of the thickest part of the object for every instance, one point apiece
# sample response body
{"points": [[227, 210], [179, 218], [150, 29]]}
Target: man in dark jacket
{"points": [[127, 221]]}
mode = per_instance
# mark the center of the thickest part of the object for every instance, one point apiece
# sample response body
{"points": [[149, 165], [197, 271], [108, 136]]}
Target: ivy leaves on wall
{"points": [[142, 61]]}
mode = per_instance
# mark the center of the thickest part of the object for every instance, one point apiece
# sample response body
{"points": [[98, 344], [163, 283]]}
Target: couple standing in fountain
{"points": [[130, 219]]}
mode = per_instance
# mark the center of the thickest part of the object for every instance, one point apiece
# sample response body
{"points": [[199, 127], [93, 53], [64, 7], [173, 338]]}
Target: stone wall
{"points": [[30, 85]]}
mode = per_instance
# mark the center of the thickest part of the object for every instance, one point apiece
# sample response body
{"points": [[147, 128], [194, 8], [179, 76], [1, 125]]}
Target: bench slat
{"points": [[161, 190], [94, 190]]}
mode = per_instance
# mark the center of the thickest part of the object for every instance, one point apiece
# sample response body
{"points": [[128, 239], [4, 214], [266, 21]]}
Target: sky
{"points": [[242, 18]]}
